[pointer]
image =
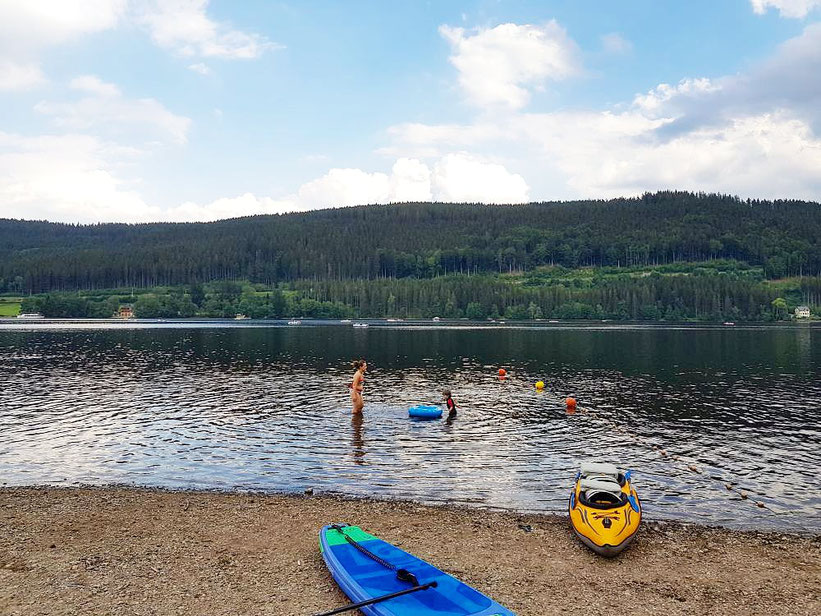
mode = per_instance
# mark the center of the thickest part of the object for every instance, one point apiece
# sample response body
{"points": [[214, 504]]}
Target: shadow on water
{"points": [[268, 408]]}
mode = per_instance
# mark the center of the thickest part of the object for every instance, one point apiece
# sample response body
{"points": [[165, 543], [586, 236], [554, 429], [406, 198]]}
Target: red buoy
{"points": [[502, 372], [571, 403]]}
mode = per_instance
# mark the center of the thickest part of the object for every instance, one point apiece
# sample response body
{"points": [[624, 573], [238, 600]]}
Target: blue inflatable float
{"points": [[425, 411]]}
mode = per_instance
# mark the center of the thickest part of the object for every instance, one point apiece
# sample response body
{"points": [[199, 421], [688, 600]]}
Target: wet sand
{"points": [[138, 551]]}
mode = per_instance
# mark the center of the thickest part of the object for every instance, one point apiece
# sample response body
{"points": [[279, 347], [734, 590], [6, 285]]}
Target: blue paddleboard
{"points": [[363, 577], [425, 411]]}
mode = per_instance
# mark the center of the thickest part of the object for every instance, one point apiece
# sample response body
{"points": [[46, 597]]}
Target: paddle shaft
{"points": [[354, 606]]}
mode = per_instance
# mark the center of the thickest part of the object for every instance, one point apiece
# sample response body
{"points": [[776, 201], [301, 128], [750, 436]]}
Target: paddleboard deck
{"points": [[362, 577]]}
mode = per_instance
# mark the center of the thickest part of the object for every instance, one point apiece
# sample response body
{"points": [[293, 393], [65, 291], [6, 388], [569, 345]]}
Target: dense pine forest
{"points": [[668, 255]]}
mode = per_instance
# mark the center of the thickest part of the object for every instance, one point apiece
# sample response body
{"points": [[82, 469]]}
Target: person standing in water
{"points": [[451, 404], [358, 385]]}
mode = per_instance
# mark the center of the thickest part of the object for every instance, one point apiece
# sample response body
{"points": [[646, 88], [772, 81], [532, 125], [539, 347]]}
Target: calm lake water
{"points": [[255, 406]]}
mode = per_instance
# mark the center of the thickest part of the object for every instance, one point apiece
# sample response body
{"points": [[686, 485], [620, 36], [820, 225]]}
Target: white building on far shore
{"points": [[802, 312]]}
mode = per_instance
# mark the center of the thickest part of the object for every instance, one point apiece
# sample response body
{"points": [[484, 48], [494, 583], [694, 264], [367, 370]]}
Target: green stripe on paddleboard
{"points": [[334, 537]]}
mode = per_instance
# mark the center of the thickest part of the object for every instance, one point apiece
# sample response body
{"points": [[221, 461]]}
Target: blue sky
{"points": [[132, 110]]}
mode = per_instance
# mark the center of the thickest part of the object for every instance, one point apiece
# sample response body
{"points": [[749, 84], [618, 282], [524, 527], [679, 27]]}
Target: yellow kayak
{"points": [[605, 511]]}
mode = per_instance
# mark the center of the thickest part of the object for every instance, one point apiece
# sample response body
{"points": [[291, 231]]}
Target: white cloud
{"points": [[77, 178], [457, 177], [755, 133], [344, 187], [657, 100], [464, 178], [608, 155], [786, 8], [183, 27], [15, 76], [29, 27], [410, 181], [199, 67], [615, 43], [499, 66], [68, 178], [787, 80], [94, 85], [603, 154], [422, 140], [108, 111], [228, 207]]}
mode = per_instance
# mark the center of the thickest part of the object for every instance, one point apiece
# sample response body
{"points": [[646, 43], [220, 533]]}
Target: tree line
{"points": [[715, 291], [419, 241]]}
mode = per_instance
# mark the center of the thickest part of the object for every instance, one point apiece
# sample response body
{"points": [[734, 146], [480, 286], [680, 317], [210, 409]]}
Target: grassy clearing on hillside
{"points": [[10, 306], [591, 276]]}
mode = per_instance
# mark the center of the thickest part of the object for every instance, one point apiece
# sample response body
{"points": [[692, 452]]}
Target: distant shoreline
{"points": [[100, 550]]}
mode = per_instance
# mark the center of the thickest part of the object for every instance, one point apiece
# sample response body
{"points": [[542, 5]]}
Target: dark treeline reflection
{"points": [[661, 351]]}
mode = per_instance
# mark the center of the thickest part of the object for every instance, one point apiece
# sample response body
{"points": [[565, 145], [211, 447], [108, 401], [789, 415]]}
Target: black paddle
{"points": [[399, 593]]}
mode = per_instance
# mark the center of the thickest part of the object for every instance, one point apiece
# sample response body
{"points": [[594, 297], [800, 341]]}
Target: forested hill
{"points": [[420, 240]]}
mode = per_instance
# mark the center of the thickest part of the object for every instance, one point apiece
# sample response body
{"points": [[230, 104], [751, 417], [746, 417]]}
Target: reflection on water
{"points": [[268, 408], [358, 440]]}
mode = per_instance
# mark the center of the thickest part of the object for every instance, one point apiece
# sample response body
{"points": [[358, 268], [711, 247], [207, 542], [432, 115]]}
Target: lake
{"points": [[262, 406]]}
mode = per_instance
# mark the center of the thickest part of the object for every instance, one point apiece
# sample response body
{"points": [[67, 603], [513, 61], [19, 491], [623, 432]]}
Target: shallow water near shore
{"points": [[256, 406]]}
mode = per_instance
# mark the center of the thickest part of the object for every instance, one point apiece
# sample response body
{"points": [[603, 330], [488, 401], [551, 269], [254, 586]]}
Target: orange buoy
{"points": [[571, 403], [502, 372]]}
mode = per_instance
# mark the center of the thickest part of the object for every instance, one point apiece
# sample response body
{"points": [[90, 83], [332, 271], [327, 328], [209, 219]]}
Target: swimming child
{"points": [[451, 404], [358, 385]]}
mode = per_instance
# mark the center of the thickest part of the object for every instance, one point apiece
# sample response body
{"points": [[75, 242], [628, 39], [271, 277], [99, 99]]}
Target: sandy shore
{"points": [[130, 551]]}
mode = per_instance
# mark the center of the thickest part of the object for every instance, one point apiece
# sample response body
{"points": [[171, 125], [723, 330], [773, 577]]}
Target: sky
{"points": [[190, 110]]}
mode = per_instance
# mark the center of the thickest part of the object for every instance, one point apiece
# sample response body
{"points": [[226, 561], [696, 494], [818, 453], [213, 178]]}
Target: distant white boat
{"points": [[294, 322], [240, 317], [437, 319], [360, 324], [345, 321], [392, 320], [728, 323], [30, 315]]}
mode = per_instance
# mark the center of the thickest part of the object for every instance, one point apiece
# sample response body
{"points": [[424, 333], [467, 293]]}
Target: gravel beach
{"points": [[146, 552]]}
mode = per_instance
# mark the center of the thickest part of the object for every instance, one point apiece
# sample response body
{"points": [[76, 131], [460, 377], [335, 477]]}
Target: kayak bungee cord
{"points": [[403, 575]]}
